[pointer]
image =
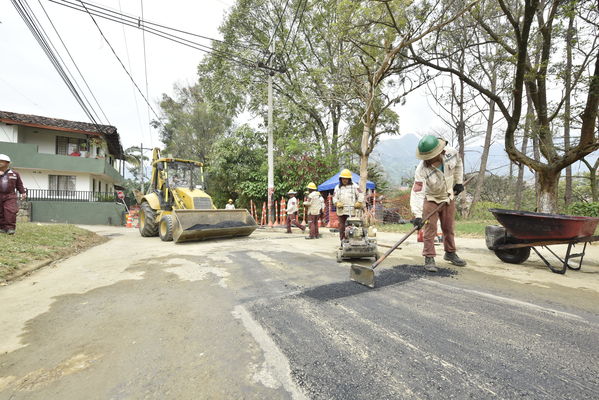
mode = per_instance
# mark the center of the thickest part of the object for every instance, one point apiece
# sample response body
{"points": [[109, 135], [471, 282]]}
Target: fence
{"points": [[70, 195], [378, 210]]}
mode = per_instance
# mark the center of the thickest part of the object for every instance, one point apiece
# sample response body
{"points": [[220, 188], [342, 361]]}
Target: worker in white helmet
{"points": [[10, 181]]}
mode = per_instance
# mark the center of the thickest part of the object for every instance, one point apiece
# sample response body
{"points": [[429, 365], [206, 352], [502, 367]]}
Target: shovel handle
{"points": [[407, 235]]}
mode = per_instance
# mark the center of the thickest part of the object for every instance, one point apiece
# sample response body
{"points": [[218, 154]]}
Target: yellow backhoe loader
{"points": [[176, 207]]}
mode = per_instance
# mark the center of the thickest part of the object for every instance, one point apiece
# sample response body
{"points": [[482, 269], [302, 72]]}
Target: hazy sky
{"points": [[29, 84]]}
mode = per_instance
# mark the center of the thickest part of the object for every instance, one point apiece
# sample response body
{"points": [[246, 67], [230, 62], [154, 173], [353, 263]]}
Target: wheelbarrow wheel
{"points": [[511, 256]]}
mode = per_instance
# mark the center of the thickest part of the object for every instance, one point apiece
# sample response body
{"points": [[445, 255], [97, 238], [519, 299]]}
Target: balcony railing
{"points": [[70, 195]]}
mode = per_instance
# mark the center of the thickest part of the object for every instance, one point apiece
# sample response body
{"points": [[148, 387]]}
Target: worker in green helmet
{"points": [[438, 179]]}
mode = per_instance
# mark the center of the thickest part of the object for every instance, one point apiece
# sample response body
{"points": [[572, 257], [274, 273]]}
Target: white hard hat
{"points": [[4, 157]]}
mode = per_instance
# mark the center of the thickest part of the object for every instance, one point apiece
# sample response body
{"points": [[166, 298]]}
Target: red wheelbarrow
{"points": [[521, 231]]}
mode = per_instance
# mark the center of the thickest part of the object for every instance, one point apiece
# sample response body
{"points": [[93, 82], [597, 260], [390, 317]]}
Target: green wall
{"points": [[25, 155], [78, 212]]}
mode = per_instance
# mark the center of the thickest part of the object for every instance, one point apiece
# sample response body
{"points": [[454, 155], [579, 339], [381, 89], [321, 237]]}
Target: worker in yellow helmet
{"points": [[315, 206], [347, 197]]}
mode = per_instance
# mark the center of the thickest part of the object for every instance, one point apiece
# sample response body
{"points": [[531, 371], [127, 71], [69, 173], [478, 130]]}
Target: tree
{"points": [[535, 21], [190, 124]]}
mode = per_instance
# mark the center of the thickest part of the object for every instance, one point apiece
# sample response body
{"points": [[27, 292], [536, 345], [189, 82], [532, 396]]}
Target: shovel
{"points": [[365, 275]]}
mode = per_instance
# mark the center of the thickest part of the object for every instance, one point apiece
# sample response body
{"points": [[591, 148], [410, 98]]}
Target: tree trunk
{"points": [[567, 107], [520, 181], [547, 198], [364, 156], [480, 179]]}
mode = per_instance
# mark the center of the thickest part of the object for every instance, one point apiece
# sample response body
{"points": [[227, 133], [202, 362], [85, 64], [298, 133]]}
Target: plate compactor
{"points": [[356, 244]]}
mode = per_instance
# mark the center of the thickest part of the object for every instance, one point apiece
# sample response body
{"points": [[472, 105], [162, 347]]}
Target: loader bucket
{"points": [[193, 225]]}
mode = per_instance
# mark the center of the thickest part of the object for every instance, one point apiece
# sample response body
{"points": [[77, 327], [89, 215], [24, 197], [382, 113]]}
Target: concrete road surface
{"points": [[273, 316]]}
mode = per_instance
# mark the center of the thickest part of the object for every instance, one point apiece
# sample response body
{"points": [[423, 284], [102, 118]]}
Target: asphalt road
{"points": [[274, 316]]}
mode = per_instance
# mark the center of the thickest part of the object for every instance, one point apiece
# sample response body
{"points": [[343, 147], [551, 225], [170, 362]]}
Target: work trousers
{"points": [[292, 220], [342, 219], [313, 224], [446, 215], [8, 211]]}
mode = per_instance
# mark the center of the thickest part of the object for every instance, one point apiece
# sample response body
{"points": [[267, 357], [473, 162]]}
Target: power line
{"points": [[143, 35], [121, 18], [74, 63], [120, 62], [132, 87], [43, 40], [136, 23], [274, 33]]}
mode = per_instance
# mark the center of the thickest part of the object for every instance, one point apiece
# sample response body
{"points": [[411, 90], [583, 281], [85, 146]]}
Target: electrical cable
{"points": [[274, 33], [132, 87], [74, 63], [143, 35], [30, 22], [122, 65], [136, 23]]}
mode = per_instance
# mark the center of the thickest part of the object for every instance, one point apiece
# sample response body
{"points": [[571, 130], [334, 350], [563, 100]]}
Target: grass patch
{"points": [[36, 242], [470, 228]]}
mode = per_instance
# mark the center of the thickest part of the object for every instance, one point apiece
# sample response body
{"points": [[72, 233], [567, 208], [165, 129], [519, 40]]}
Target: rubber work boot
{"points": [[429, 264], [10, 231], [454, 259]]}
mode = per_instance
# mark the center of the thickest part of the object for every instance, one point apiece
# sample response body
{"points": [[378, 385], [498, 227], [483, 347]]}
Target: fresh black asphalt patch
{"points": [[397, 275]]}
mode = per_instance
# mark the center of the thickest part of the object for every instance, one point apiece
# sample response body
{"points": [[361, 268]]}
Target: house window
{"points": [[67, 145], [62, 182]]}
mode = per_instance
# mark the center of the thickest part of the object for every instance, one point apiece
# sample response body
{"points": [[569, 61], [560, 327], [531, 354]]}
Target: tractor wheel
{"points": [[147, 220], [165, 229], [511, 256]]}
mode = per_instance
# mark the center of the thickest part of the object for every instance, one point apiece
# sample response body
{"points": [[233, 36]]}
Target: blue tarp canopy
{"points": [[333, 181]]}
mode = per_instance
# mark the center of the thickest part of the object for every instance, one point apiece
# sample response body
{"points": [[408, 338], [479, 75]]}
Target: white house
{"points": [[63, 161]]}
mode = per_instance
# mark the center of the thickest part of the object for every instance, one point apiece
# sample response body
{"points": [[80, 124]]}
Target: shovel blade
{"points": [[362, 275]]}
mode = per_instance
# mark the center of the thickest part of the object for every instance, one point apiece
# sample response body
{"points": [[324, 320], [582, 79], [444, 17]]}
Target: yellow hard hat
{"points": [[346, 173], [311, 185], [230, 200]]}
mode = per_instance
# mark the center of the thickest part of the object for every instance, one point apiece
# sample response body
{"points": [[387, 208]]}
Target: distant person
{"points": [[230, 205], [438, 179], [347, 197], [10, 181], [315, 205], [292, 212]]}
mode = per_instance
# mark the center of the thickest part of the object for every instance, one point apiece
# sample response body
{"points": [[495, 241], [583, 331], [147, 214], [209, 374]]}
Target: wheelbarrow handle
{"points": [[407, 235]]}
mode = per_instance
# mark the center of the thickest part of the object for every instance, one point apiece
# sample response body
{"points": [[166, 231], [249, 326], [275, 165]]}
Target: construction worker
{"points": [[292, 212], [347, 196], [315, 205], [438, 178], [230, 205], [9, 182]]}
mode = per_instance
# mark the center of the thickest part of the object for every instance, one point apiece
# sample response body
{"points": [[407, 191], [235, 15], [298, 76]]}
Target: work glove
{"points": [[358, 205], [417, 222], [458, 188], [339, 204]]}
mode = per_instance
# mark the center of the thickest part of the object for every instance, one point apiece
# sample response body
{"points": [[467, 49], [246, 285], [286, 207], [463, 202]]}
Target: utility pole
{"points": [[141, 166], [271, 168]]}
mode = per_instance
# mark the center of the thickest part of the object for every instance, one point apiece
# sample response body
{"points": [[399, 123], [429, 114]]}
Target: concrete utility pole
{"points": [[271, 168], [141, 166]]}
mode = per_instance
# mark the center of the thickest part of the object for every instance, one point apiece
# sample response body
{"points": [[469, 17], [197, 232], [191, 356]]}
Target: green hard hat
{"points": [[430, 147]]}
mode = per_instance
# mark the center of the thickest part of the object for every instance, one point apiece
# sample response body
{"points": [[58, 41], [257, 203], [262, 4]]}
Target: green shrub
{"points": [[481, 210], [584, 209]]}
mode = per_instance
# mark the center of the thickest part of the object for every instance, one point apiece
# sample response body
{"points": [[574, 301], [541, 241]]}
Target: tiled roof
{"points": [[109, 131]]}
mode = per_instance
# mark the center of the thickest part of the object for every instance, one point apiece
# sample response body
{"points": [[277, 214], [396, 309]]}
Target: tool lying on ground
{"points": [[356, 244], [176, 207], [365, 275]]}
